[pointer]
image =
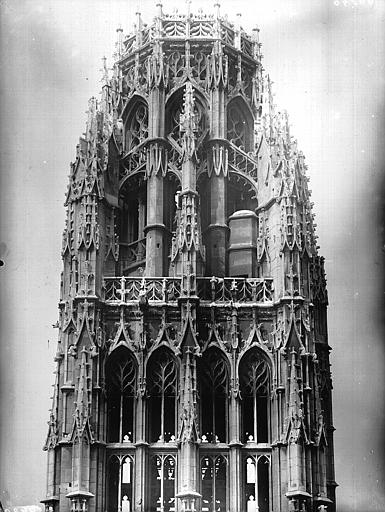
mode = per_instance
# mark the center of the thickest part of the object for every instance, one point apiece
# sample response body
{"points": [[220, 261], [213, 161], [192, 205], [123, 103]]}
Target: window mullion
{"points": [[214, 485], [213, 414], [162, 415], [255, 415], [121, 418], [120, 484], [256, 483], [162, 484]]}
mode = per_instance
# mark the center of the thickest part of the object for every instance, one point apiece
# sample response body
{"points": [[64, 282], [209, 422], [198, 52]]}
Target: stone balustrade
{"points": [[169, 289]]}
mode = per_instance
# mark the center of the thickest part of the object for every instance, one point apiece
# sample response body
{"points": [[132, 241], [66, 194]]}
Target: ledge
{"points": [[323, 499], [293, 494], [80, 494], [188, 494], [49, 499]]}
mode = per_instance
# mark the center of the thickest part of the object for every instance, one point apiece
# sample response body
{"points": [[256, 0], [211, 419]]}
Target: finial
{"points": [[138, 28], [119, 42], [105, 71], [188, 122], [256, 34], [188, 116], [159, 7], [188, 5], [138, 18], [217, 7], [238, 31]]}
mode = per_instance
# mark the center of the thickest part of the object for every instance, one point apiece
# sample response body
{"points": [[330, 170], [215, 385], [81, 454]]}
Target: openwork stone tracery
{"points": [[193, 368]]}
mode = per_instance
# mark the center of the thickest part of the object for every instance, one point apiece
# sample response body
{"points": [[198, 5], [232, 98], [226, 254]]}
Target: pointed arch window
{"points": [[69, 360], [121, 388], [214, 469], [131, 222], [163, 481], [254, 379], [239, 125], [214, 397], [120, 483], [174, 109], [162, 389], [257, 483], [137, 126]]}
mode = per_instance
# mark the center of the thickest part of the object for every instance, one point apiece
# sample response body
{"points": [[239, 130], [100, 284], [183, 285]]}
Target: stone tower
{"points": [[193, 358]]}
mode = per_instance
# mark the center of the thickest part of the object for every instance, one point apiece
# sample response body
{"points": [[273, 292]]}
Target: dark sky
{"points": [[326, 59]]}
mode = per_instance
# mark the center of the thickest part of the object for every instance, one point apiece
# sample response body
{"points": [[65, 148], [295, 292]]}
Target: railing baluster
{"points": [[123, 289], [213, 282], [164, 290]]}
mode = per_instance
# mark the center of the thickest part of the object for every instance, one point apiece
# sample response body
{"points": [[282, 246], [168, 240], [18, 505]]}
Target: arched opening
{"points": [[213, 380], [163, 481], [136, 125], [257, 483], [174, 109], [214, 483], [171, 188], [240, 125], [243, 224], [120, 483], [131, 222], [121, 388], [254, 378], [162, 391], [204, 191], [241, 195]]}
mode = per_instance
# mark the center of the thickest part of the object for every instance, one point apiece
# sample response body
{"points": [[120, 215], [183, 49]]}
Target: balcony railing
{"points": [[131, 289], [180, 26], [230, 289], [169, 289]]}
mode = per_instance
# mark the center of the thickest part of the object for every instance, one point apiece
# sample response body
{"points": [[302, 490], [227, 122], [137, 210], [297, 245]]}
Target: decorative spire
{"points": [[188, 429], [52, 436], [119, 42], [83, 398], [138, 27], [105, 77], [238, 31], [293, 386], [188, 124], [256, 34], [256, 44]]}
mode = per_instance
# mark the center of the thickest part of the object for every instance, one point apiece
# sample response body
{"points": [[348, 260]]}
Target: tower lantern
{"points": [[193, 358]]}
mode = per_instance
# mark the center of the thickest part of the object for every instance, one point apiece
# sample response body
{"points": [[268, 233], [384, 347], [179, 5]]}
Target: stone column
{"points": [[235, 462], [140, 495], [216, 235], [217, 232], [155, 228], [188, 494]]}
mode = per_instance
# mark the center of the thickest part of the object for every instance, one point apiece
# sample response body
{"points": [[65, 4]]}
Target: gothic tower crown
{"points": [[193, 353]]}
